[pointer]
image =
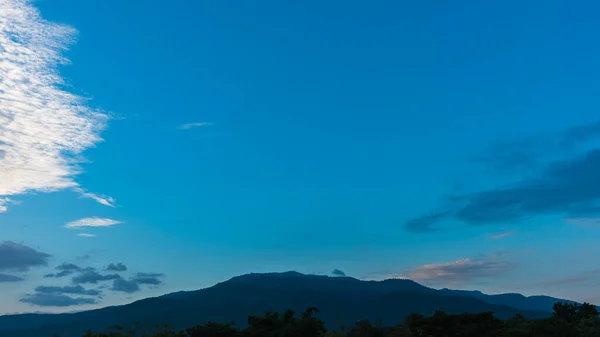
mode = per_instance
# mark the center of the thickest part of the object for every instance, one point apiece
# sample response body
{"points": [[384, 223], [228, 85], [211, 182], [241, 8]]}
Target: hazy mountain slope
{"points": [[539, 303]]}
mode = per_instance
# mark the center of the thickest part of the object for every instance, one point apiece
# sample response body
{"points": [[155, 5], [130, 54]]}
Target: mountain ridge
{"points": [[340, 299]]}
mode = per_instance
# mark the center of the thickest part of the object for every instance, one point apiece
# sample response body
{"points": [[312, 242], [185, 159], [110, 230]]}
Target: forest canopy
{"points": [[568, 320]]}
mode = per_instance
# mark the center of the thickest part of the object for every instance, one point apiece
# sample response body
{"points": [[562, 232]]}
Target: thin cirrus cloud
{"points": [[43, 127], [189, 126], [93, 222], [101, 199], [455, 273], [86, 235], [500, 235]]}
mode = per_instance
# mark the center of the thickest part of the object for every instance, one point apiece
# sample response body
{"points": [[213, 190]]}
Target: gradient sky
{"points": [[153, 146]]}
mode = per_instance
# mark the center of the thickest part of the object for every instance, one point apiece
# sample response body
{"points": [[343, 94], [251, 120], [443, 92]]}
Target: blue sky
{"points": [[454, 144]]}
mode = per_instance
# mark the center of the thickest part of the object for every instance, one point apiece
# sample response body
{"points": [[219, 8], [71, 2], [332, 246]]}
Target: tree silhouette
{"points": [[568, 320]]}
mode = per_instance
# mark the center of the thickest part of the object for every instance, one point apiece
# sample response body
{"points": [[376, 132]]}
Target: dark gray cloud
{"points": [[4, 278], [126, 286], [570, 187], [17, 257], [66, 269], [133, 284], [59, 274], [580, 134], [116, 267], [532, 152], [74, 290], [512, 155], [55, 300], [337, 272], [93, 277], [148, 278]]}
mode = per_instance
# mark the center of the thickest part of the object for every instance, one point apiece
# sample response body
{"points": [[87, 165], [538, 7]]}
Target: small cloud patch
{"points": [[337, 272], [133, 284], [93, 277], [64, 269], [116, 267], [126, 286], [148, 278]]}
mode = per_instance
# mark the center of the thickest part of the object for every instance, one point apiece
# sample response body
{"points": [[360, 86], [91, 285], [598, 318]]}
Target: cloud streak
{"points": [[101, 199], [92, 222], [86, 235], [189, 126], [43, 127]]}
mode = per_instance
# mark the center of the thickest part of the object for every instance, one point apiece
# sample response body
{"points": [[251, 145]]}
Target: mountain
{"points": [[341, 300], [535, 303]]}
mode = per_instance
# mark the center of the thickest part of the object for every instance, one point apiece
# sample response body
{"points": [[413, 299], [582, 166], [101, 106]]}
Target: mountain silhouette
{"points": [[341, 301]]}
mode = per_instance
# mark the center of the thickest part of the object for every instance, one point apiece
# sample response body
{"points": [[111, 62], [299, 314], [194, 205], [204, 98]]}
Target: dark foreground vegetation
{"points": [[568, 320]]}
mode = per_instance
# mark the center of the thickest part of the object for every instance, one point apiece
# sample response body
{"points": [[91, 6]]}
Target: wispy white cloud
{"points": [[44, 128], [189, 126], [102, 199], [86, 235], [92, 222], [4, 202]]}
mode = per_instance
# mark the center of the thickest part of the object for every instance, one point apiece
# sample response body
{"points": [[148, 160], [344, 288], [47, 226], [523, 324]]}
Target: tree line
{"points": [[567, 320]]}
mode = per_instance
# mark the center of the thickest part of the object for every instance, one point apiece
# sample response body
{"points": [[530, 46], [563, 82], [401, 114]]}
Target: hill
{"points": [[341, 300]]}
